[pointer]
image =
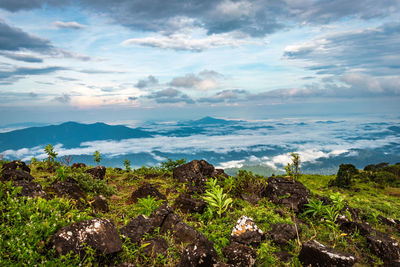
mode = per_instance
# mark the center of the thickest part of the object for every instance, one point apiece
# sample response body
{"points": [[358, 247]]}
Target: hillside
{"points": [[170, 216]]}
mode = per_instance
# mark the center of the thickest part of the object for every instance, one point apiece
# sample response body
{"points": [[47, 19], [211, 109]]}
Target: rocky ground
{"points": [[161, 216]]}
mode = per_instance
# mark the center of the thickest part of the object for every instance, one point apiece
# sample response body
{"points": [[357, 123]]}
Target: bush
{"points": [[344, 176], [90, 184], [247, 182], [27, 224], [386, 178], [170, 164]]}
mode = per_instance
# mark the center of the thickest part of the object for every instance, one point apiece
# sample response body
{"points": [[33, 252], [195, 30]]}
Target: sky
{"points": [[98, 60]]}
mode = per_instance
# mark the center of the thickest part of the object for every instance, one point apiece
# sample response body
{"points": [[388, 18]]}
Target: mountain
{"points": [[70, 134], [207, 121]]}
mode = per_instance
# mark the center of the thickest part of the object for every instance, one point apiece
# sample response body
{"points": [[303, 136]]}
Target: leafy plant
{"points": [[148, 204], [315, 208], [170, 164], [216, 198], [61, 174], [90, 184], [344, 176], [97, 157], [51, 154], [127, 164]]}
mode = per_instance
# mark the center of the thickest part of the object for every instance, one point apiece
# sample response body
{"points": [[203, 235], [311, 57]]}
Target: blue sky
{"points": [[117, 60]]}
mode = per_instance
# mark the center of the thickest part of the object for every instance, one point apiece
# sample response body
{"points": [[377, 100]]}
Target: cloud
{"points": [[170, 95], [69, 25], [33, 94], [225, 96], [203, 81], [372, 50], [148, 82], [22, 57], [14, 39], [64, 98], [186, 42], [13, 75]]}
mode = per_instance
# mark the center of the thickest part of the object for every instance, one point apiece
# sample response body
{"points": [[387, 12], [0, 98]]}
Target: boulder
{"points": [[195, 174], [30, 189], [287, 192], [385, 247], [99, 234], [246, 232], [16, 165], [198, 254], [251, 198], [100, 204], [157, 245], [98, 172], [391, 222], [137, 228], [315, 254], [16, 175], [281, 233], [186, 203], [160, 214], [240, 255], [78, 165], [146, 190], [68, 188]]}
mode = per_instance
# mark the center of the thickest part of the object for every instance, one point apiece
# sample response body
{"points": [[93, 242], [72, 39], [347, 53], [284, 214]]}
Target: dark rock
{"points": [[16, 175], [118, 169], [146, 190], [253, 198], [240, 255], [290, 193], [16, 165], [195, 174], [157, 245], [160, 214], [315, 254], [98, 172], [350, 227], [68, 188], [200, 253], [389, 221], [284, 256], [31, 189], [180, 230], [281, 213], [99, 234], [246, 232], [281, 233], [78, 165], [100, 204], [384, 247], [186, 203], [136, 228]]}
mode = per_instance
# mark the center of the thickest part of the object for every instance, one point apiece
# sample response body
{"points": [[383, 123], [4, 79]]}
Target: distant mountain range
{"points": [[70, 134]]}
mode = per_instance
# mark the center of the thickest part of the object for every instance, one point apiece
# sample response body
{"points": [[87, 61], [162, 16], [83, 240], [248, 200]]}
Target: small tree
{"points": [[97, 157], [344, 175], [51, 154], [127, 164], [293, 168]]}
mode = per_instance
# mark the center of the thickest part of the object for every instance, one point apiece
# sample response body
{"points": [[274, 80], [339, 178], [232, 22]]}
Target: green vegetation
{"points": [[97, 157], [51, 154], [372, 192], [127, 164], [293, 169]]}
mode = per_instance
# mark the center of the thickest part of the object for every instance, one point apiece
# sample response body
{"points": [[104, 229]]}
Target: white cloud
{"points": [[69, 25]]}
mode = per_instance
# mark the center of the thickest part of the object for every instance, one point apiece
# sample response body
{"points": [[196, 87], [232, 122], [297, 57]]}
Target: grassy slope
{"points": [[371, 200]]}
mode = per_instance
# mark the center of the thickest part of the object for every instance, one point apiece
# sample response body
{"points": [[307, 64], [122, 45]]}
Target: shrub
{"points": [[127, 164], [51, 154], [97, 157], [148, 204], [344, 176], [245, 181], [386, 178], [293, 168], [90, 184], [170, 164], [216, 198], [27, 224]]}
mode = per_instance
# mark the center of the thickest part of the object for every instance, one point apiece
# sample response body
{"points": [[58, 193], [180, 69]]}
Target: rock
{"points": [[180, 230], [186, 203], [315, 254], [146, 190], [246, 232], [100, 204], [15, 175], [281, 213], [349, 227], [157, 245], [160, 214], [136, 228], [195, 174], [389, 221], [78, 165], [200, 253], [31, 189], [98, 172], [99, 234], [16, 165], [284, 255], [281, 233], [68, 188], [290, 193], [252, 198], [240, 255], [384, 247]]}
